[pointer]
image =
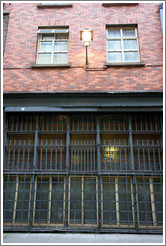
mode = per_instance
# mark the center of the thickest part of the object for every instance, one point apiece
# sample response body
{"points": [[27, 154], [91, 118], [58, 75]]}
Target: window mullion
{"points": [[5, 125], [53, 44], [15, 201], [121, 33], [117, 200], [82, 203], [49, 200], [152, 201]]}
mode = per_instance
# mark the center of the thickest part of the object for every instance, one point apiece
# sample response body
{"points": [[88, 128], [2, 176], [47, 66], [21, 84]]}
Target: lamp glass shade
{"points": [[86, 38]]}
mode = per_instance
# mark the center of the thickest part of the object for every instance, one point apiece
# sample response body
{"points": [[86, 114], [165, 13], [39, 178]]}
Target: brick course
{"points": [[21, 44]]}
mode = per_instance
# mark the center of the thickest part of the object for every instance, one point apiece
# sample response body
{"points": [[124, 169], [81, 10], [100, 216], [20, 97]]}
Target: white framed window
{"points": [[122, 45], [52, 46]]}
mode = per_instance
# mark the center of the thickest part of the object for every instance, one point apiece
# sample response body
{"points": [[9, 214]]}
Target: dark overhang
{"points": [[83, 101]]}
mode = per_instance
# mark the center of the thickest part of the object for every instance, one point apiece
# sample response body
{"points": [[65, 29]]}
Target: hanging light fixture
{"points": [[86, 36]]}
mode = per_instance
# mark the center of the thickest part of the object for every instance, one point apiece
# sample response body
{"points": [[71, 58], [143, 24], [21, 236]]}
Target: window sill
{"points": [[117, 4], [50, 65], [6, 12], [55, 5], [125, 64]]}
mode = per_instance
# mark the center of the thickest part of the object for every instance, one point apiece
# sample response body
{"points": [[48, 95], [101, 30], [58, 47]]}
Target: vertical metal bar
{"points": [[31, 202], [46, 160], [18, 156], [81, 155], [98, 144], [67, 168], [161, 126], [61, 155], [36, 143], [51, 159], [5, 128], [33, 175], [132, 169], [56, 154], [99, 169]]}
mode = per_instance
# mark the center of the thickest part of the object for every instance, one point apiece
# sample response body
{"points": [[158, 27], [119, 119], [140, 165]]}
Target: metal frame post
{"points": [[132, 169]]}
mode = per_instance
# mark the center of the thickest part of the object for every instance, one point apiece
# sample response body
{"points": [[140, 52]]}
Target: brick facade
{"points": [[21, 45]]}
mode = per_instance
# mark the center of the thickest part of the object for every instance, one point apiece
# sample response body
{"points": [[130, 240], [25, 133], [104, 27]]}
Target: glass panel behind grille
{"points": [[52, 123], [83, 123], [41, 207], [114, 123], [125, 200], [89, 194], [114, 152], [148, 152], [57, 201], [19, 152], [52, 152], [158, 199], [83, 201], [148, 122], [144, 202], [75, 215], [109, 202], [21, 123], [83, 152], [9, 196], [23, 200]]}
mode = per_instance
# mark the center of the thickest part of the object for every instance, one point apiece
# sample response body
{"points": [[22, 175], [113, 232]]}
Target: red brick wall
{"points": [[20, 50]]}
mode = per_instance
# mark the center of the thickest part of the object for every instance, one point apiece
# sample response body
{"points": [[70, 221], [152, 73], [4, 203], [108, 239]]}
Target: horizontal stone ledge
{"points": [[54, 5], [118, 4], [6, 12], [50, 65], [125, 64]]}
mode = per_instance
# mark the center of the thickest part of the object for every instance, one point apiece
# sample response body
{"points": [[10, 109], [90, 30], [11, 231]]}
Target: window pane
{"points": [[51, 152], [146, 122], [158, 199], [148, 152], [114, 56], [9, 190], [45, 46], [83, 152], [130, 56], [114, 123], [61, 46], [109, 201], [44, 58], [90, 209], [42, 200], [23, 202], [114, 45], [60, 58], [144, 201], [114, 33], [130, 44], [19, 152], [128, 32], [125, 202], [76, 200], [57, 201], [83, 123], [114, 152], [47, 36]]}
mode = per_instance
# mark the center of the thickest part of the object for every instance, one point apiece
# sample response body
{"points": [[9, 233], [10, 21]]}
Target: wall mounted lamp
{"points": [[86, 36]]}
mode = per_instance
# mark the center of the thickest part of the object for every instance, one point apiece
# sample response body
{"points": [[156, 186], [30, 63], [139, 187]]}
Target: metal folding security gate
{"points": [[83, 172]]}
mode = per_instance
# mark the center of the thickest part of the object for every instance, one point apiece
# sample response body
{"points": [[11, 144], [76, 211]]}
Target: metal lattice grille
{"points": [[83, 172]]}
